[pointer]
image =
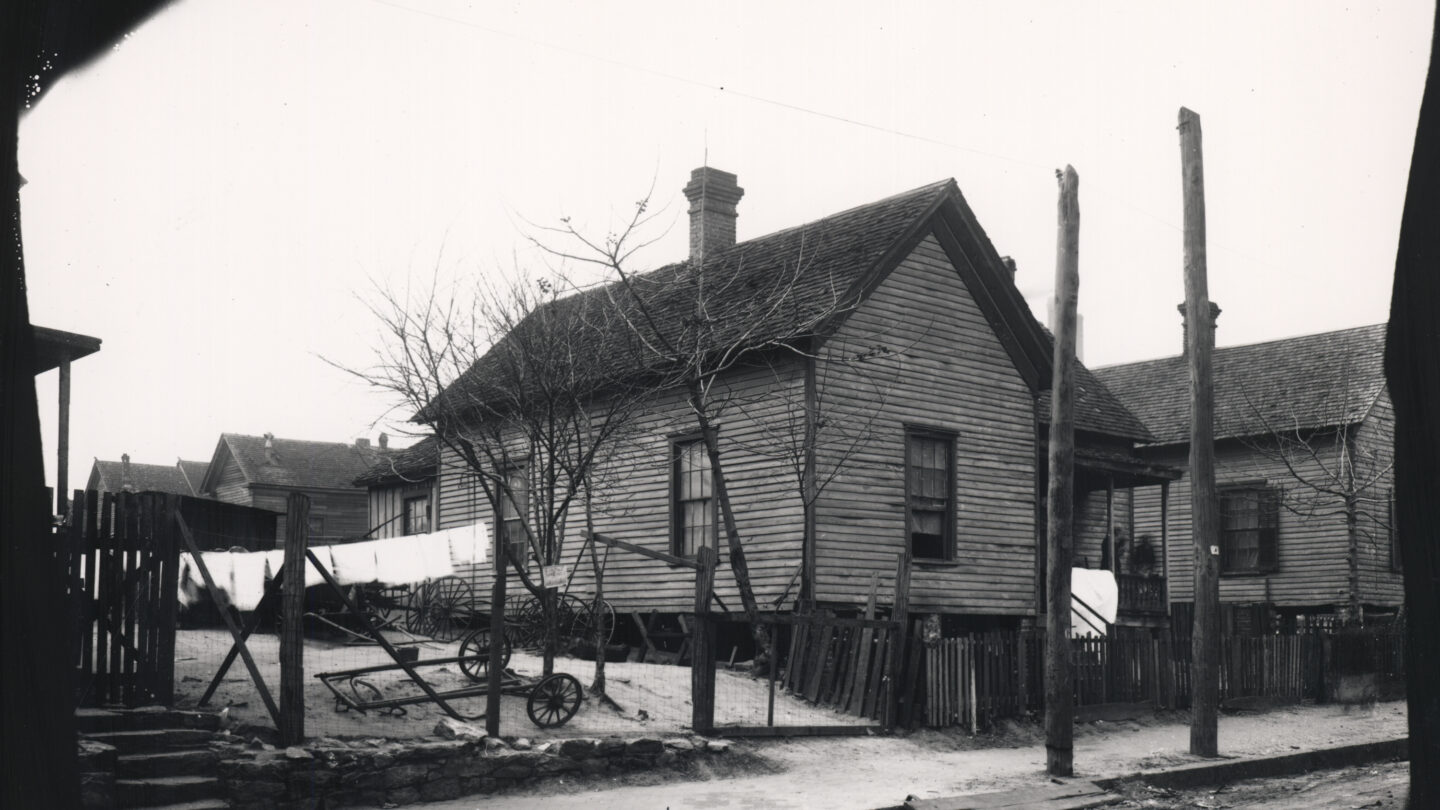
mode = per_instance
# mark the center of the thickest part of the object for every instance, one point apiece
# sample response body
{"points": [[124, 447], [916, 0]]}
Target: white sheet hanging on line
{"points": [[354, 563], [398, 561], [435, 551], [468, 544], [240, 574]]}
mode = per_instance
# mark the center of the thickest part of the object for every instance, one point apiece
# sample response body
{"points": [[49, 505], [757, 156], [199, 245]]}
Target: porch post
{"points": [[1110, 523], [1165, 541]]}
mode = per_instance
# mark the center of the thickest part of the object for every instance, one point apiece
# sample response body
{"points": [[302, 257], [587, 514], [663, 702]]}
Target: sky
{"points": [[220, 196]]}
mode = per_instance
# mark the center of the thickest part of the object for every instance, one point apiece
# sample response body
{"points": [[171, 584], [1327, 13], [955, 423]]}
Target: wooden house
{"points": [[181, 478], [262, 471], [927, 358], [1301, 426], [401, 488]]}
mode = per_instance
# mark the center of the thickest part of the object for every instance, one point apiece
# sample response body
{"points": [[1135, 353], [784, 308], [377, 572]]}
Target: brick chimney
{"points": [[127, 484], [384, 441], [1185, 326], [270, 449], [712, 195], [362, 444]]}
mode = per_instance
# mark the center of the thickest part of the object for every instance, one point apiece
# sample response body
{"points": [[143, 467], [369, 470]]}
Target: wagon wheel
{"points": [[528, 621], [440, 609], [582, 627], [475, 654], [554, 700]]}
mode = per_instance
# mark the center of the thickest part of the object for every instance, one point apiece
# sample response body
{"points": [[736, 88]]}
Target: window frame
{"points": [[950, 517], [503, 519], [1267, 511], [677, 445], [406, 527]]}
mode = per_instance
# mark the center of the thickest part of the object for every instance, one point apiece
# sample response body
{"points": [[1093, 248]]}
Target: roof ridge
{"points": [[1233, 347]]}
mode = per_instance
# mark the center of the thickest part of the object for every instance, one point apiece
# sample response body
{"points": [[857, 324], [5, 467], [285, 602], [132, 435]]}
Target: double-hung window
{"points": [[692, 500], [930, 493], [514, 506], [1249, 529]]}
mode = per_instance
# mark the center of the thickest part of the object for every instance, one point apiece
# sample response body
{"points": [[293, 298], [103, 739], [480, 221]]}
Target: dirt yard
{"points": [[652, 698]]}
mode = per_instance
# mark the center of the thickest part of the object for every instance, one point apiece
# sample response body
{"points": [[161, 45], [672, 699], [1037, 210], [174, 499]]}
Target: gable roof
{"points": [[418, 462], [110, 476], [294, 463], [194, 472], [844, 256], [1303, 383]]}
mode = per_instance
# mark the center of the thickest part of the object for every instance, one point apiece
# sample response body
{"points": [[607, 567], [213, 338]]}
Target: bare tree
{"points": [[508, 378], [698, 323], [1331, 473]]}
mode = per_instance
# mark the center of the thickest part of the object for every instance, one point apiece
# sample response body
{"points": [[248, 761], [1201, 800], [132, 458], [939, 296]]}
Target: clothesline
{"points": [[391, 561]]}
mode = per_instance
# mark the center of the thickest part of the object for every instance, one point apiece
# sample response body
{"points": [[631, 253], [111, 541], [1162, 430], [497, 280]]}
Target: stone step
{"points": [[141, 742], [163, 790], [89, 721], [183, 762]]}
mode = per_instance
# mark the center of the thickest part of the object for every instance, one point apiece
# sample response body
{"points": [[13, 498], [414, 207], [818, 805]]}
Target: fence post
{"points": [[897, 644], [702, 647], [292, 617]]}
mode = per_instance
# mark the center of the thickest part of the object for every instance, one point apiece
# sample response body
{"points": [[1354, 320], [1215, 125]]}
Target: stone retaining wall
{"points": [[332, 773]]}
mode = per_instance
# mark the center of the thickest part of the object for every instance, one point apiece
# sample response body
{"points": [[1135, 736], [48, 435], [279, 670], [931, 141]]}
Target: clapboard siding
{"points": [[344, 513], [1380, 583], [1090, 523], [1312, 548], [633, 498], [947, 370]]}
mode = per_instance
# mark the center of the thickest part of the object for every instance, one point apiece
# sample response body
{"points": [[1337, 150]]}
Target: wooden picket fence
{"points": [[840, 663], [975, 680], [119, 557]]}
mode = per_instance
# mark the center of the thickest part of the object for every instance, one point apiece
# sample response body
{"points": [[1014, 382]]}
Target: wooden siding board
{"points": [[952, 373], [1312, 563], [633, 499], [1380, 584]]}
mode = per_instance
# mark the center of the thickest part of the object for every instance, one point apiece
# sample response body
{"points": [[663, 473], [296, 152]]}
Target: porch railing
{"points": [[1142, 594]]}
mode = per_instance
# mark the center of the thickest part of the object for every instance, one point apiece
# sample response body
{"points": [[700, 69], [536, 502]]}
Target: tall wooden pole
{"points": [[497, 633], [1059, 688], [702, 646], [292, 617], [62, 451], [1205, 509]]}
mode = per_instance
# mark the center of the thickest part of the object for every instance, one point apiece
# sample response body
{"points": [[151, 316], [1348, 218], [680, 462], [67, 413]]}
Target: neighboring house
{"points": [[402, 489], [935, 354], [1300, 424], [181, 478], [262, 471]]}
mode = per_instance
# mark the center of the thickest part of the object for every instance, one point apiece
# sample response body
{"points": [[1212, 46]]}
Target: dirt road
{"points": [[1382, 787], [870, 772]]}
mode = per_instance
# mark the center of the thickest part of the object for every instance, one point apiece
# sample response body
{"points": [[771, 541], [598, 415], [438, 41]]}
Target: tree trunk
{"points": [[1412, 369]]}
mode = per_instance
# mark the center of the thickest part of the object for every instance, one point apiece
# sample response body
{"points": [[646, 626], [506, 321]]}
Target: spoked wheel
{"points": [[554, 700], [585, 617], [475, 654], [440, 609], [527, 616]]}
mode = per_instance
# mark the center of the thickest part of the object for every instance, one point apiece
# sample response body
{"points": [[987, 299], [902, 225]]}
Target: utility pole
{"points": [[1204, 506], [495, 665], [1059, 688]]}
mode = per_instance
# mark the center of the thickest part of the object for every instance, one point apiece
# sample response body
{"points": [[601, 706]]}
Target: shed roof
{"points": [[840, 258], [418, 462], [1303, 383]]}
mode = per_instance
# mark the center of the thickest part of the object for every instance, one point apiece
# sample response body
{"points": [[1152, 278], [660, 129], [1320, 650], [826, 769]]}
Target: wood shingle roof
{"points": [[1299, 383], [295, 463], [412, 464], [817, 272]]}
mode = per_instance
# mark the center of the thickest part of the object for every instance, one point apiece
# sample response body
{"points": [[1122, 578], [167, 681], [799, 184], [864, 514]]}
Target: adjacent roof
{"points": [[291, 462], [843, 256], [143, 477], [417, 462], [194, 472], [1301, 383], [1097, 409]]}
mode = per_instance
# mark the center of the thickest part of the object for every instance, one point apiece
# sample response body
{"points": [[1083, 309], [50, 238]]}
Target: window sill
{"points": [[1245, 574], [936, 565]]}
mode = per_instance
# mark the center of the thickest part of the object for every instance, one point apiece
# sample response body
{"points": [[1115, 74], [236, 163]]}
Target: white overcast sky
{"points": [[210, 197]]}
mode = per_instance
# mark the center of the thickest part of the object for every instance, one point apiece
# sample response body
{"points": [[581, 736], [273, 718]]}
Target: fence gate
{"points": [[119, 558]]}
